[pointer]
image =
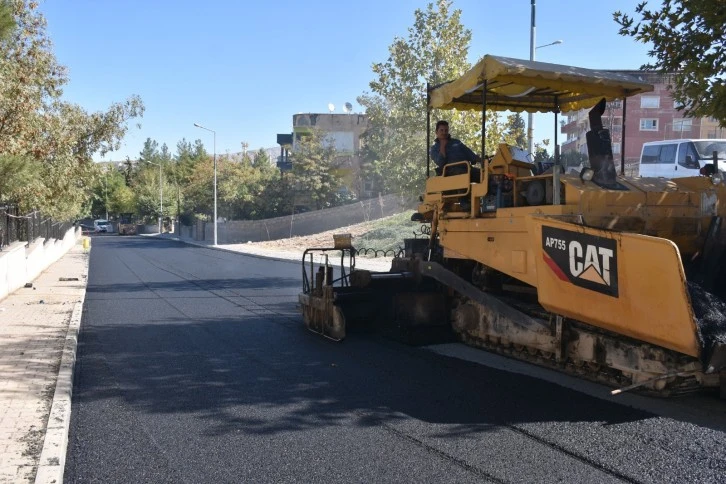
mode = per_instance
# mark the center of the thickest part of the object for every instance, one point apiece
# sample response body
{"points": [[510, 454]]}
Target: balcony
{"points": [[284, 163]]}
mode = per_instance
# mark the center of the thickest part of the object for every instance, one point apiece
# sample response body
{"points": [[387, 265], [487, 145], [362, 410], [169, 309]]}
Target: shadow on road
{"points": [[217, 366]]}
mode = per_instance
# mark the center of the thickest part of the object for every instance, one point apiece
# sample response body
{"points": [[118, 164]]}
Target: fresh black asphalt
{"points": [[194, 366]]}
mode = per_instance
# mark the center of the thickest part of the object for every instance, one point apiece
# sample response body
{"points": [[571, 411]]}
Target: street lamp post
{"points": [[161, 194], [532, 49], [105, 191], [214, 133]]}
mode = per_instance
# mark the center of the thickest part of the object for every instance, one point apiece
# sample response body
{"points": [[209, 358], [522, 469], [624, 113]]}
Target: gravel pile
{"points": [[710, 312]]}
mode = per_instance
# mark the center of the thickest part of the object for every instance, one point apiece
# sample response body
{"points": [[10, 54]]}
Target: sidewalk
{"points": [[38, 328]]}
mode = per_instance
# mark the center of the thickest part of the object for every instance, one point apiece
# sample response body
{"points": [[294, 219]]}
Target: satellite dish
{"points": [[348, 107], [331, 107]]}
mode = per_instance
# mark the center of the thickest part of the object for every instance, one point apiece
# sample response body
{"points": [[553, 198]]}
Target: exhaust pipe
{"points": [[600, 149]]}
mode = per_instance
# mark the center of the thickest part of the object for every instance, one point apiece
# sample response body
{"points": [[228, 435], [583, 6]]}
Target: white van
{"points": [[677, 158], [101, 225]]}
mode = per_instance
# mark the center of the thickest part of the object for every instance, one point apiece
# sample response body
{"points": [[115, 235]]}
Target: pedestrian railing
{"points": [[17, 227]]}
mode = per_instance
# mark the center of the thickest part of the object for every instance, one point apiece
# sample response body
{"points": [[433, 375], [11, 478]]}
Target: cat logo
{"points": [[584, 260]]}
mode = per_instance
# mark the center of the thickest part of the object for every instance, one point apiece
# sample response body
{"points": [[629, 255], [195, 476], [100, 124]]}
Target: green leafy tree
{"points": [[515, 131], [541, 155], [128, 171], [688, 40], [16, 174], [194, 181], [316, 176], [122, 200], [198, 191], [7, 22], [236, 190], [262, 162], [111, 194], [36, 123], [269, 196], [188, 154], [165, 154], [277, 198], [434, 52], [150, 151], [146, 189]]}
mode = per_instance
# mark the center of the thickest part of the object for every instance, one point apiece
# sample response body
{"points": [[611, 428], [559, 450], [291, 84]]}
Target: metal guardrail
{"points": [[17, 227]]}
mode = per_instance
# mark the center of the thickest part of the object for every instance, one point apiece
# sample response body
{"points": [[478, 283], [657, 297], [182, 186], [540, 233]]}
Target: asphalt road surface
{"points": [[194, 366]]}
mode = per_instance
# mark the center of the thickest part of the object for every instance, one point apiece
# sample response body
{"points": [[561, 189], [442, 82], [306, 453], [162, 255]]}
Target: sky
{"points": [[244, 68]]}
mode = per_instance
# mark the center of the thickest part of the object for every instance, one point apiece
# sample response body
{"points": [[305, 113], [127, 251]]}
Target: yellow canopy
{"points": [[520, 85]]}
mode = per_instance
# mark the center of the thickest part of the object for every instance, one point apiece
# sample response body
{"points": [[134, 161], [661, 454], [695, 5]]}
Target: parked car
{"points": [[101, 226]]}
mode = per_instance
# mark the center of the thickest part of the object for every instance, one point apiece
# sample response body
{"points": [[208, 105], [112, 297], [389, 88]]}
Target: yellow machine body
{"points": [[636, 286], [616, 279]]}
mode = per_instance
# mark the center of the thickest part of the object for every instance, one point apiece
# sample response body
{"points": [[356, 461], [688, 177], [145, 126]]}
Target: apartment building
{"points": [[651, 116], [343, 131]]}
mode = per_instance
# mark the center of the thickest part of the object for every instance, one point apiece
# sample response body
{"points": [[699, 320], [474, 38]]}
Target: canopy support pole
{"points": [[428, 131], [556, 169], [622, 139], [484, 121]]}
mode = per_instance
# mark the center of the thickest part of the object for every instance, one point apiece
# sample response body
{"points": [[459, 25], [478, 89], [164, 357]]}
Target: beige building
{"points": [[343, 131]]}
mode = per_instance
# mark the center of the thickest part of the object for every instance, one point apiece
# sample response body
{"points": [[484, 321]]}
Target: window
{"points": [[650, 154], [649, 124], [687, 149], [681, 125], [650, 102], [616, 148], [662, 154], [667, 154], [706, 148]]}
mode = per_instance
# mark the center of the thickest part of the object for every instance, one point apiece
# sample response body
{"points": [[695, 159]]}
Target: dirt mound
{"points": [[322, 239]]}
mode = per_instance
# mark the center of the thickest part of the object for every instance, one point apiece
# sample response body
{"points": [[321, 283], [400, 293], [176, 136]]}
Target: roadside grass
{"points": [[387, 234]]}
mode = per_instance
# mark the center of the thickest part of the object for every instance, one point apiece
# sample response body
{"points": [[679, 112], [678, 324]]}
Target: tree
{"points": [[146, 190], [7, 22], [435, 52], [514, 131], [187, 156], [36, 123], [541, 155], [688, 41], [150, 151], [111, 194], [315, 174], [17, 174], [277, 198]]}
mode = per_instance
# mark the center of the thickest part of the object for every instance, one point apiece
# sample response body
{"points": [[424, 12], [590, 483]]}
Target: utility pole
{"points": [[530, 118]]}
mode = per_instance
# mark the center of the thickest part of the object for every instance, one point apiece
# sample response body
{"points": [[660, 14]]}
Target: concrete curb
{"points": [[53, 456], [361, 262], [224, 249]]}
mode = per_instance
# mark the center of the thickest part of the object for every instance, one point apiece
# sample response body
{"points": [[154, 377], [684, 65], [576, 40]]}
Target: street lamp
{"points": [[532, 48], [105, 191], [161, 193], [556, 42], [215, 177]]}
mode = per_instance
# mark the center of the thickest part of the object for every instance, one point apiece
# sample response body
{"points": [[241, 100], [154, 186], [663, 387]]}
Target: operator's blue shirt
{"points": [[455, 151]]}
